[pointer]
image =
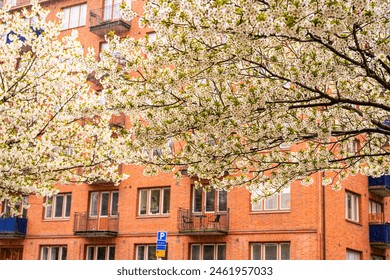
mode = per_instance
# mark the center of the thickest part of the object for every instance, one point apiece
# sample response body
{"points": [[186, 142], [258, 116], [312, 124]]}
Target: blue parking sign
{"points": [[162, 236]]}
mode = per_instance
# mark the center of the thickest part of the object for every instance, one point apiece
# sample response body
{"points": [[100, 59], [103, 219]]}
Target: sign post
{"points": [[161, 245]]}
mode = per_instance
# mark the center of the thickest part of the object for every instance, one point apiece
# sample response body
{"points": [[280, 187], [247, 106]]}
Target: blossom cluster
{"points": [[53, 129]]}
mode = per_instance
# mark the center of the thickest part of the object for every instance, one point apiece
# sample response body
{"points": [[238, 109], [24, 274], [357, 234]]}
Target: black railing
{"points": [[203, 222], [96, 224], [107, 19]]}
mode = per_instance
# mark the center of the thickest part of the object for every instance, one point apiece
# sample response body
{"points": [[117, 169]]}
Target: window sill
{"points": [[152, 216], [56, 220], [354, 222], [270, 212]]}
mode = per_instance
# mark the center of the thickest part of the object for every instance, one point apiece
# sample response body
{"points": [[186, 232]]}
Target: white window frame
{"points": [[50, 210], [263, 247], [49, 252], [201, 248], [161, 203], [353, 255], [95, 248], [146, 248], [261, 206], [216, 201], [352, 210], [79, 11], [95, 205]]}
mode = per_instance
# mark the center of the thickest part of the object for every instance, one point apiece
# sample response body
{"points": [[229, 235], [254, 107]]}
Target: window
{"points": [[208, 252], [148, 252], [58, 206], [376, 212], [353, 255], [352, 207], [353, 146], [279, 201], [103, 204], [20, 210], [270, 251], [74, 16], [154, 201], [53, 252], [100, 252], [112, 8], [210, 201], [10, 2]]}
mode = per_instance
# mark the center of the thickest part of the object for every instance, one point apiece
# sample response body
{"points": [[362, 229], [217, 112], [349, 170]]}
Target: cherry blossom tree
{"points": [[253, 92], [49, 130]]}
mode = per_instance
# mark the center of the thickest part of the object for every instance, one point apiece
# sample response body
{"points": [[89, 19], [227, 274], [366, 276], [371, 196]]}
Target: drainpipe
{"points": [[323, 218]]}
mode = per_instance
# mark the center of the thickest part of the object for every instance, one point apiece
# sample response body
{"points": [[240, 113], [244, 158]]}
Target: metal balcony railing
{"points": [[380, 235], [203, 223], [96, 224], [379, 185], [106, 19], [13, 227]]}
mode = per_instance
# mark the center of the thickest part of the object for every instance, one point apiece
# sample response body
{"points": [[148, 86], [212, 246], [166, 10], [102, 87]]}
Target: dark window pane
{"points": [[143, 199], [222, 201], [210, 200], [208, 252], [198, 200], [271, 252], [111, 253], [90, 253], [101, 253], [104, 204], [59, 206], [256, 251], [195, 252], [140, 252], [64, 252], [114, 204], [167, 198], [151, 252], [68, 204], [285, 251], [221, 252]]}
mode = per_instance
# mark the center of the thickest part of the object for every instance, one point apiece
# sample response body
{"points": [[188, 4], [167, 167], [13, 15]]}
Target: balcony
{"points": [[96, 224], [13, 227], [215, 223], [379, 186], [380, 235], [104, 20]]}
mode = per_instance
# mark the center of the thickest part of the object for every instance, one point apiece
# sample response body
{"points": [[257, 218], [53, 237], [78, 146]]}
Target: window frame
{"points": [[263, 246], [51, 210], [354, 253], [146, 249], [81, 21], [108, 251], [201, 251], [50, 248], [95, 206], [352, 214], [216, 201], [261, 206], [162, 210]]}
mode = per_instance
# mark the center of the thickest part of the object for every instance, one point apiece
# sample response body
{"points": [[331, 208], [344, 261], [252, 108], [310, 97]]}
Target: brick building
{"points": [[103, 221]]}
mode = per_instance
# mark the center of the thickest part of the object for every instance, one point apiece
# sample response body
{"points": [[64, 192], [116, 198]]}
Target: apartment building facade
{"points": [[101, 221]]}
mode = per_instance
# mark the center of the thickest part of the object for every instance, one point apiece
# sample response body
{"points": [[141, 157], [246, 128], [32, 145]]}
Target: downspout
{"points": [[323, 218]]}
